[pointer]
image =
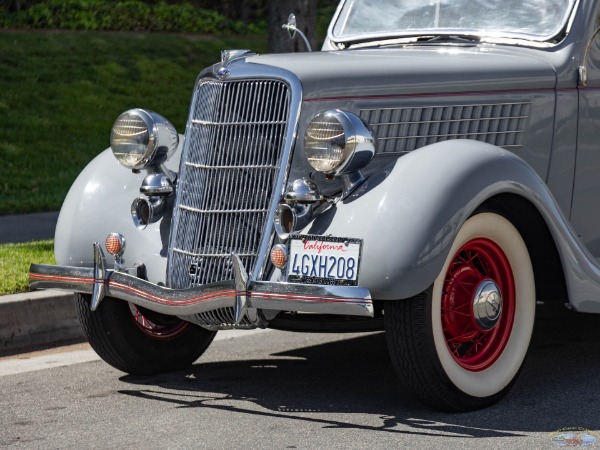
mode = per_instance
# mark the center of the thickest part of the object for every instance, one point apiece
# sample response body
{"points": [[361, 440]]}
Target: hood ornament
{"points": [[230, 56]]}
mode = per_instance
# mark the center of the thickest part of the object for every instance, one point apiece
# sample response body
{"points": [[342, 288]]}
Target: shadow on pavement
{"points": [[559, 386]]}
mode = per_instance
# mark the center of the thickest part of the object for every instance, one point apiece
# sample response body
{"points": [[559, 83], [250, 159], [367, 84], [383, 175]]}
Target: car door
{"points": [[585, 211]]}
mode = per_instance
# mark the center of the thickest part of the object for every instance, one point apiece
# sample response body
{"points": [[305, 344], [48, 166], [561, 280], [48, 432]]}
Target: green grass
{"points": [[61, 92], [15, 260]]}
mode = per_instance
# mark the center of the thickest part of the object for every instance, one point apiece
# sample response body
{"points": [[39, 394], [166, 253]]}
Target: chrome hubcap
{"points": [[487, 305]]}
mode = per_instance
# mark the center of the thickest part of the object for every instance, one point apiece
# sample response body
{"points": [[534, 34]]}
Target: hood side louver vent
{"points": [[406, 129]]}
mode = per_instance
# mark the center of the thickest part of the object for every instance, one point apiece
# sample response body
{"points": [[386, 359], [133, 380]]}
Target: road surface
{"points": [[278, 390]]}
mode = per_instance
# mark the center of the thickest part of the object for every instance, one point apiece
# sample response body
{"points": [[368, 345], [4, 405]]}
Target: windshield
{"points": [[538, 20]]}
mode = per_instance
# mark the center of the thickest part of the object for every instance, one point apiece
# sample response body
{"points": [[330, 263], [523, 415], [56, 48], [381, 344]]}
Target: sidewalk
{"points": [[41, 318]]}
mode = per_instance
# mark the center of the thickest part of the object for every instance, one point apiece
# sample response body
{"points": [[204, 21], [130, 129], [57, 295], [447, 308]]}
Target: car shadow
{"points": [[558, 387]]}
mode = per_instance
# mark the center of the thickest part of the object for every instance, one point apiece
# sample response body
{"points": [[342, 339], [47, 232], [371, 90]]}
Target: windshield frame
{"points": [[411, 35]]}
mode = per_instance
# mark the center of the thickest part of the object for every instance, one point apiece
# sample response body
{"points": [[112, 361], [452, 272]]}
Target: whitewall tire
{"points": [[461, 344]]}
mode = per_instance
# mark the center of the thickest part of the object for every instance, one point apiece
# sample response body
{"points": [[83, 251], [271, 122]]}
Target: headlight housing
{"points": [[140, 138], [338, 142]]}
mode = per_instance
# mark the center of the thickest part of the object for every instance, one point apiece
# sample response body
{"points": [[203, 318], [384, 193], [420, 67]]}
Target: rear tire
{"points": [[452, 352], [139, 341]]}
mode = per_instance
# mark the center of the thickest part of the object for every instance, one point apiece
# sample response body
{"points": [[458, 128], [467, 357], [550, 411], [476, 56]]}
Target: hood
{"points": [[414, 70]]}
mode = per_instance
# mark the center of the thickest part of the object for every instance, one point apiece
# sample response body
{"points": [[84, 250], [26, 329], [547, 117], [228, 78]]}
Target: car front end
{"points": [[391, 180]]}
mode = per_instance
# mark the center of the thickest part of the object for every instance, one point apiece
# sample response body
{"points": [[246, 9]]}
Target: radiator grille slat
{"points": [[235, 138], [406, 129]]}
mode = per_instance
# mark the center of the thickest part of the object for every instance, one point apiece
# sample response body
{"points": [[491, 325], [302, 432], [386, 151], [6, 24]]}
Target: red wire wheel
{"points": [[155, 325], [473, 346]]}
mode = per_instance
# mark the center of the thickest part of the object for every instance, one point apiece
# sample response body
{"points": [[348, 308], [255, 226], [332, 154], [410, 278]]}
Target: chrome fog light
{"points": [[338, 142], [141, 138]]}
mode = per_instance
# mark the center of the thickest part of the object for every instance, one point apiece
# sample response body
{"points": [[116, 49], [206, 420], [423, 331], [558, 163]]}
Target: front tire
{"points": [[461, 344], [138, 341]]}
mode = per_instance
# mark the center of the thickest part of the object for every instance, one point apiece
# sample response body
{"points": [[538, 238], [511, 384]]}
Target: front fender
{"points": [[98, 203], [409, 214]]}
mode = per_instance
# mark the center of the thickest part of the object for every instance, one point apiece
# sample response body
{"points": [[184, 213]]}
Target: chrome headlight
{"points": [[140, 138], [338, 142]]}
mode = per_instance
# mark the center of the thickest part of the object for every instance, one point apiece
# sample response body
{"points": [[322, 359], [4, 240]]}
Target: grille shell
{"points": [[228, 177]]}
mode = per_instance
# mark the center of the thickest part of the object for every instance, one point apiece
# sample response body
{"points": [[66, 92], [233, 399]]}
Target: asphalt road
{"points": [[27, 227], [283, 390]]}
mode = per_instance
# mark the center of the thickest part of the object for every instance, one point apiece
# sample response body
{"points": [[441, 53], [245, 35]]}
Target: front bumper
{"points": [[240, 293]]}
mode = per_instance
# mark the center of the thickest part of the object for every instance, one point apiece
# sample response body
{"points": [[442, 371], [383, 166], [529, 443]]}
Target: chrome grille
{"points": [[219, 319], [406, 129], [234, 143]]}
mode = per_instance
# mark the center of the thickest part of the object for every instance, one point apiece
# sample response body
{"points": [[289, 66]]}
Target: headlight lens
{"points": [[338, 142], [140, 138], [325, 142]]}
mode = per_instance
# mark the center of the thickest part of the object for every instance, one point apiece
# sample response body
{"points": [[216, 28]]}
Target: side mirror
{"points": [[292, 29]]}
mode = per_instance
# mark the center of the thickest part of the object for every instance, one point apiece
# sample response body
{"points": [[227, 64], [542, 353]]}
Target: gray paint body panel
{"points": [[413, 71], [99, 203]]}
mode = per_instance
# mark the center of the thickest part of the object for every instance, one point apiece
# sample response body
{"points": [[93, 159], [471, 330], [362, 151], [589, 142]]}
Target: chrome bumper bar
{"points": [[238, 293]]}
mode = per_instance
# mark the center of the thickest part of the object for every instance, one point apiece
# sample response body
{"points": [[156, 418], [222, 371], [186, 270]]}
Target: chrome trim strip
{"points": [[225, 124], [204, 166], [450, 135], [216, 255], [460, 105], [222, 211], [342, 300], [449, 121]]}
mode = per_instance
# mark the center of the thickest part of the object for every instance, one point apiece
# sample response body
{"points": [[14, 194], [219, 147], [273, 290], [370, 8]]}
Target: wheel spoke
{"points": [[462, 338], [455, 311], [475, 256], [461, 284], [157, 330], [478, 260], [477, 345]]}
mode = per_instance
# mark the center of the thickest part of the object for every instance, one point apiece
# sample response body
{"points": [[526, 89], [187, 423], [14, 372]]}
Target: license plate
{"points": [[324, 260]]}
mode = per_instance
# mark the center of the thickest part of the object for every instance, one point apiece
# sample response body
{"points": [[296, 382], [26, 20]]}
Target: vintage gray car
{"points": [[432, 172]]}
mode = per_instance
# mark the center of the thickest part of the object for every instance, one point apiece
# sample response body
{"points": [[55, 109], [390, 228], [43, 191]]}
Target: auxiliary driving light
{"points": [[279, 255]]}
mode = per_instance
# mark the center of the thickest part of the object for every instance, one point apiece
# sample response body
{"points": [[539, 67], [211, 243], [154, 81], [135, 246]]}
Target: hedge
{"points": [[125, 15]]}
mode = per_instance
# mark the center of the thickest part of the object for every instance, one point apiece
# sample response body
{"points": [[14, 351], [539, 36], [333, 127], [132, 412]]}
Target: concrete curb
{"points": [[35, 319]]}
